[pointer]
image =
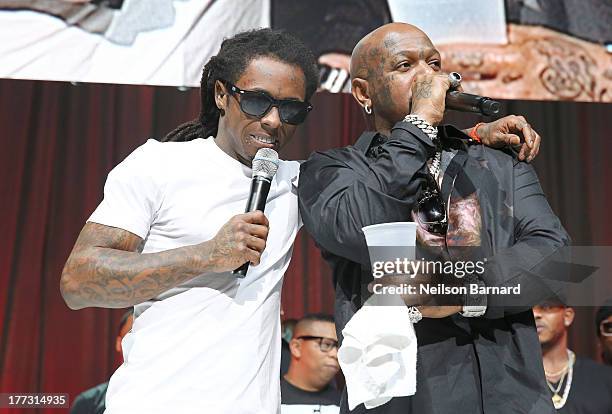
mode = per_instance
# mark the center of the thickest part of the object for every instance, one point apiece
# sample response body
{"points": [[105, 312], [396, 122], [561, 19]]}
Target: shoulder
{"points": [[289, 168], [344, 155], [92, 394], [288, 171], [157, 149], [155, 158], [591, 366]]}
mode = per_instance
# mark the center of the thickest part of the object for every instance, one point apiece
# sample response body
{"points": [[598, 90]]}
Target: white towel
{"points": [[378, 352]]}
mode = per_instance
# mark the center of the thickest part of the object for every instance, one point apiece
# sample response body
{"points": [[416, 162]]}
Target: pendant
{"points": [[557, 400]]}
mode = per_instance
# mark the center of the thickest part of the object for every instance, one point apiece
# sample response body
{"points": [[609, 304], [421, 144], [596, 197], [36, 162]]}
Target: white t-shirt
{"points": [[212, 345]]}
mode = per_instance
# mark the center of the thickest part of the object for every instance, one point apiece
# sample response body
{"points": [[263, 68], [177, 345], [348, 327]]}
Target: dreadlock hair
{"points": [[230, 63]]}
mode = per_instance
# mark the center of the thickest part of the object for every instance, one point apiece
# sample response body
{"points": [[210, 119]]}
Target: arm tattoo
{"points": [[106, 269]]}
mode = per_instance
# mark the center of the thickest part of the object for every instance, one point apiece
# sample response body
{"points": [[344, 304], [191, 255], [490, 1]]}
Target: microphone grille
{"points": [[265, 163]]}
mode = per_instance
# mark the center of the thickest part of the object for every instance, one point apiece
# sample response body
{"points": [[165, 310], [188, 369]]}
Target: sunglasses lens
{"points": [[606, 328], [431, 214], [294, 112], [255, 104]]}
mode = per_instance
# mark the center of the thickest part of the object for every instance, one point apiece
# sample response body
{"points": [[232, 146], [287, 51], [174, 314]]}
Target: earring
{"points": [[367, 109]]}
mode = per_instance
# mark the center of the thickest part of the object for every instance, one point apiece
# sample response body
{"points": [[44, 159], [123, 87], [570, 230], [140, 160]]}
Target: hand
{"points": [[504, 132], [428, 96], [242, 239]]}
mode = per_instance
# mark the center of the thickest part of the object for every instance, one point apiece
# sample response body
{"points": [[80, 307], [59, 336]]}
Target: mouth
{"points": [[539, 328], [264, 141]]}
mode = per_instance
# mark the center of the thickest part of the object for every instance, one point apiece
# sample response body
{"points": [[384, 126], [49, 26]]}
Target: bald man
{"points": [[478, 355], [314, 364]]}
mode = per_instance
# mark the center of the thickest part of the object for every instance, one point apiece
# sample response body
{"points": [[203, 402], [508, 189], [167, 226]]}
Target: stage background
{"points": [[510, 49], [59, 141]]}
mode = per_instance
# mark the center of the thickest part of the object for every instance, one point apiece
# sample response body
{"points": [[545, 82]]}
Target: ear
{"points": [[568, 317], [221, 96], [295, 348], [360, 91]]}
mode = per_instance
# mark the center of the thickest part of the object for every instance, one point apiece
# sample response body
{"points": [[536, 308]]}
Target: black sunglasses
{"points": [[325, 344], [257, 104], [430, 210]]}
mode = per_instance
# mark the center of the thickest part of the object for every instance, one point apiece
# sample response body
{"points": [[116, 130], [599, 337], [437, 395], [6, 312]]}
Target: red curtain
{"points": [[60, 140]]}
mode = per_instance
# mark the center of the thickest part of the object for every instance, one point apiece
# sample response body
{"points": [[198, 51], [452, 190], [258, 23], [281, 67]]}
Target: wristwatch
{"points": [[474, 304]]}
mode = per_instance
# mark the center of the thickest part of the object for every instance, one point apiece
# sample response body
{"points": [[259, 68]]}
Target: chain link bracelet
{"points": [[423, 125], [414, 314]]}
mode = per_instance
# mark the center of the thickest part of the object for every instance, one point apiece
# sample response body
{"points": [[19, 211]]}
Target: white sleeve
{"points": [[131, 193]]}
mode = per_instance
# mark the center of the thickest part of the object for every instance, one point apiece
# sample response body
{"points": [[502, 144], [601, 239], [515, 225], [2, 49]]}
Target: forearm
{"points": [[110, 278]]}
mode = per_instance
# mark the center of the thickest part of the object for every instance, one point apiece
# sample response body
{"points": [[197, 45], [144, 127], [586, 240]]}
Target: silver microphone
{"points": [[461, 101]]}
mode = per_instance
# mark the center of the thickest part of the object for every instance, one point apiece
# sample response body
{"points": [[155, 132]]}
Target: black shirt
{"points": [[292, 395], [491, 364], [590, 390], [91, 401]]}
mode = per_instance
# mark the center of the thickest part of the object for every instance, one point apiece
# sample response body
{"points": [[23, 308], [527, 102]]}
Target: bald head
{"points": [[384, 65], [383, 42]]}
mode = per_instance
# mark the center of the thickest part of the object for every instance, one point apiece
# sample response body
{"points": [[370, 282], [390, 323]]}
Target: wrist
{"points": [[203, 258], [421, 123], [474, 302], [474, 132]]}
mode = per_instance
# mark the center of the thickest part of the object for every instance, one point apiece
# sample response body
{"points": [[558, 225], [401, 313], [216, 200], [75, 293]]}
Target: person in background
{"points": [[287, 327], [603, 323], [577, 385], [307, 386], [92, 401]]}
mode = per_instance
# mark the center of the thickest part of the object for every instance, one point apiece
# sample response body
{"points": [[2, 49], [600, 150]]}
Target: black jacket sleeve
{"points": [[343, 190], [539, 241]]}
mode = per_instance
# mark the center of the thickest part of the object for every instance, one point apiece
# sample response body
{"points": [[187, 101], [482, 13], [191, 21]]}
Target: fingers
{"points": [[530, 138], [512, 139], [253, 256], [256, 243], [254, 217], [527, 133], [257, 230], [253, 240], [536, 147], [250, 233], [428, 95], [251, 248]]}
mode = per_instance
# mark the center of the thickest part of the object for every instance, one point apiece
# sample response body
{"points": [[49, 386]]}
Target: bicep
{"points": [[535, 218], [96, 235]]}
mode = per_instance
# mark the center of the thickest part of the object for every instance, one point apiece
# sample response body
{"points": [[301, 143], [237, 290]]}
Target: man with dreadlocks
{"points": [[166, 238]]}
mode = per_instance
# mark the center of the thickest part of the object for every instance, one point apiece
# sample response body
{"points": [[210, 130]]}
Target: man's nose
{"points": [[536, 313], [424, 68], [272, 120]]}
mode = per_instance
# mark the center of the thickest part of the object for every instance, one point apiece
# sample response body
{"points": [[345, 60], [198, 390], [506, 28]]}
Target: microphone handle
{"points": [[466, 102], [260, 187]]}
